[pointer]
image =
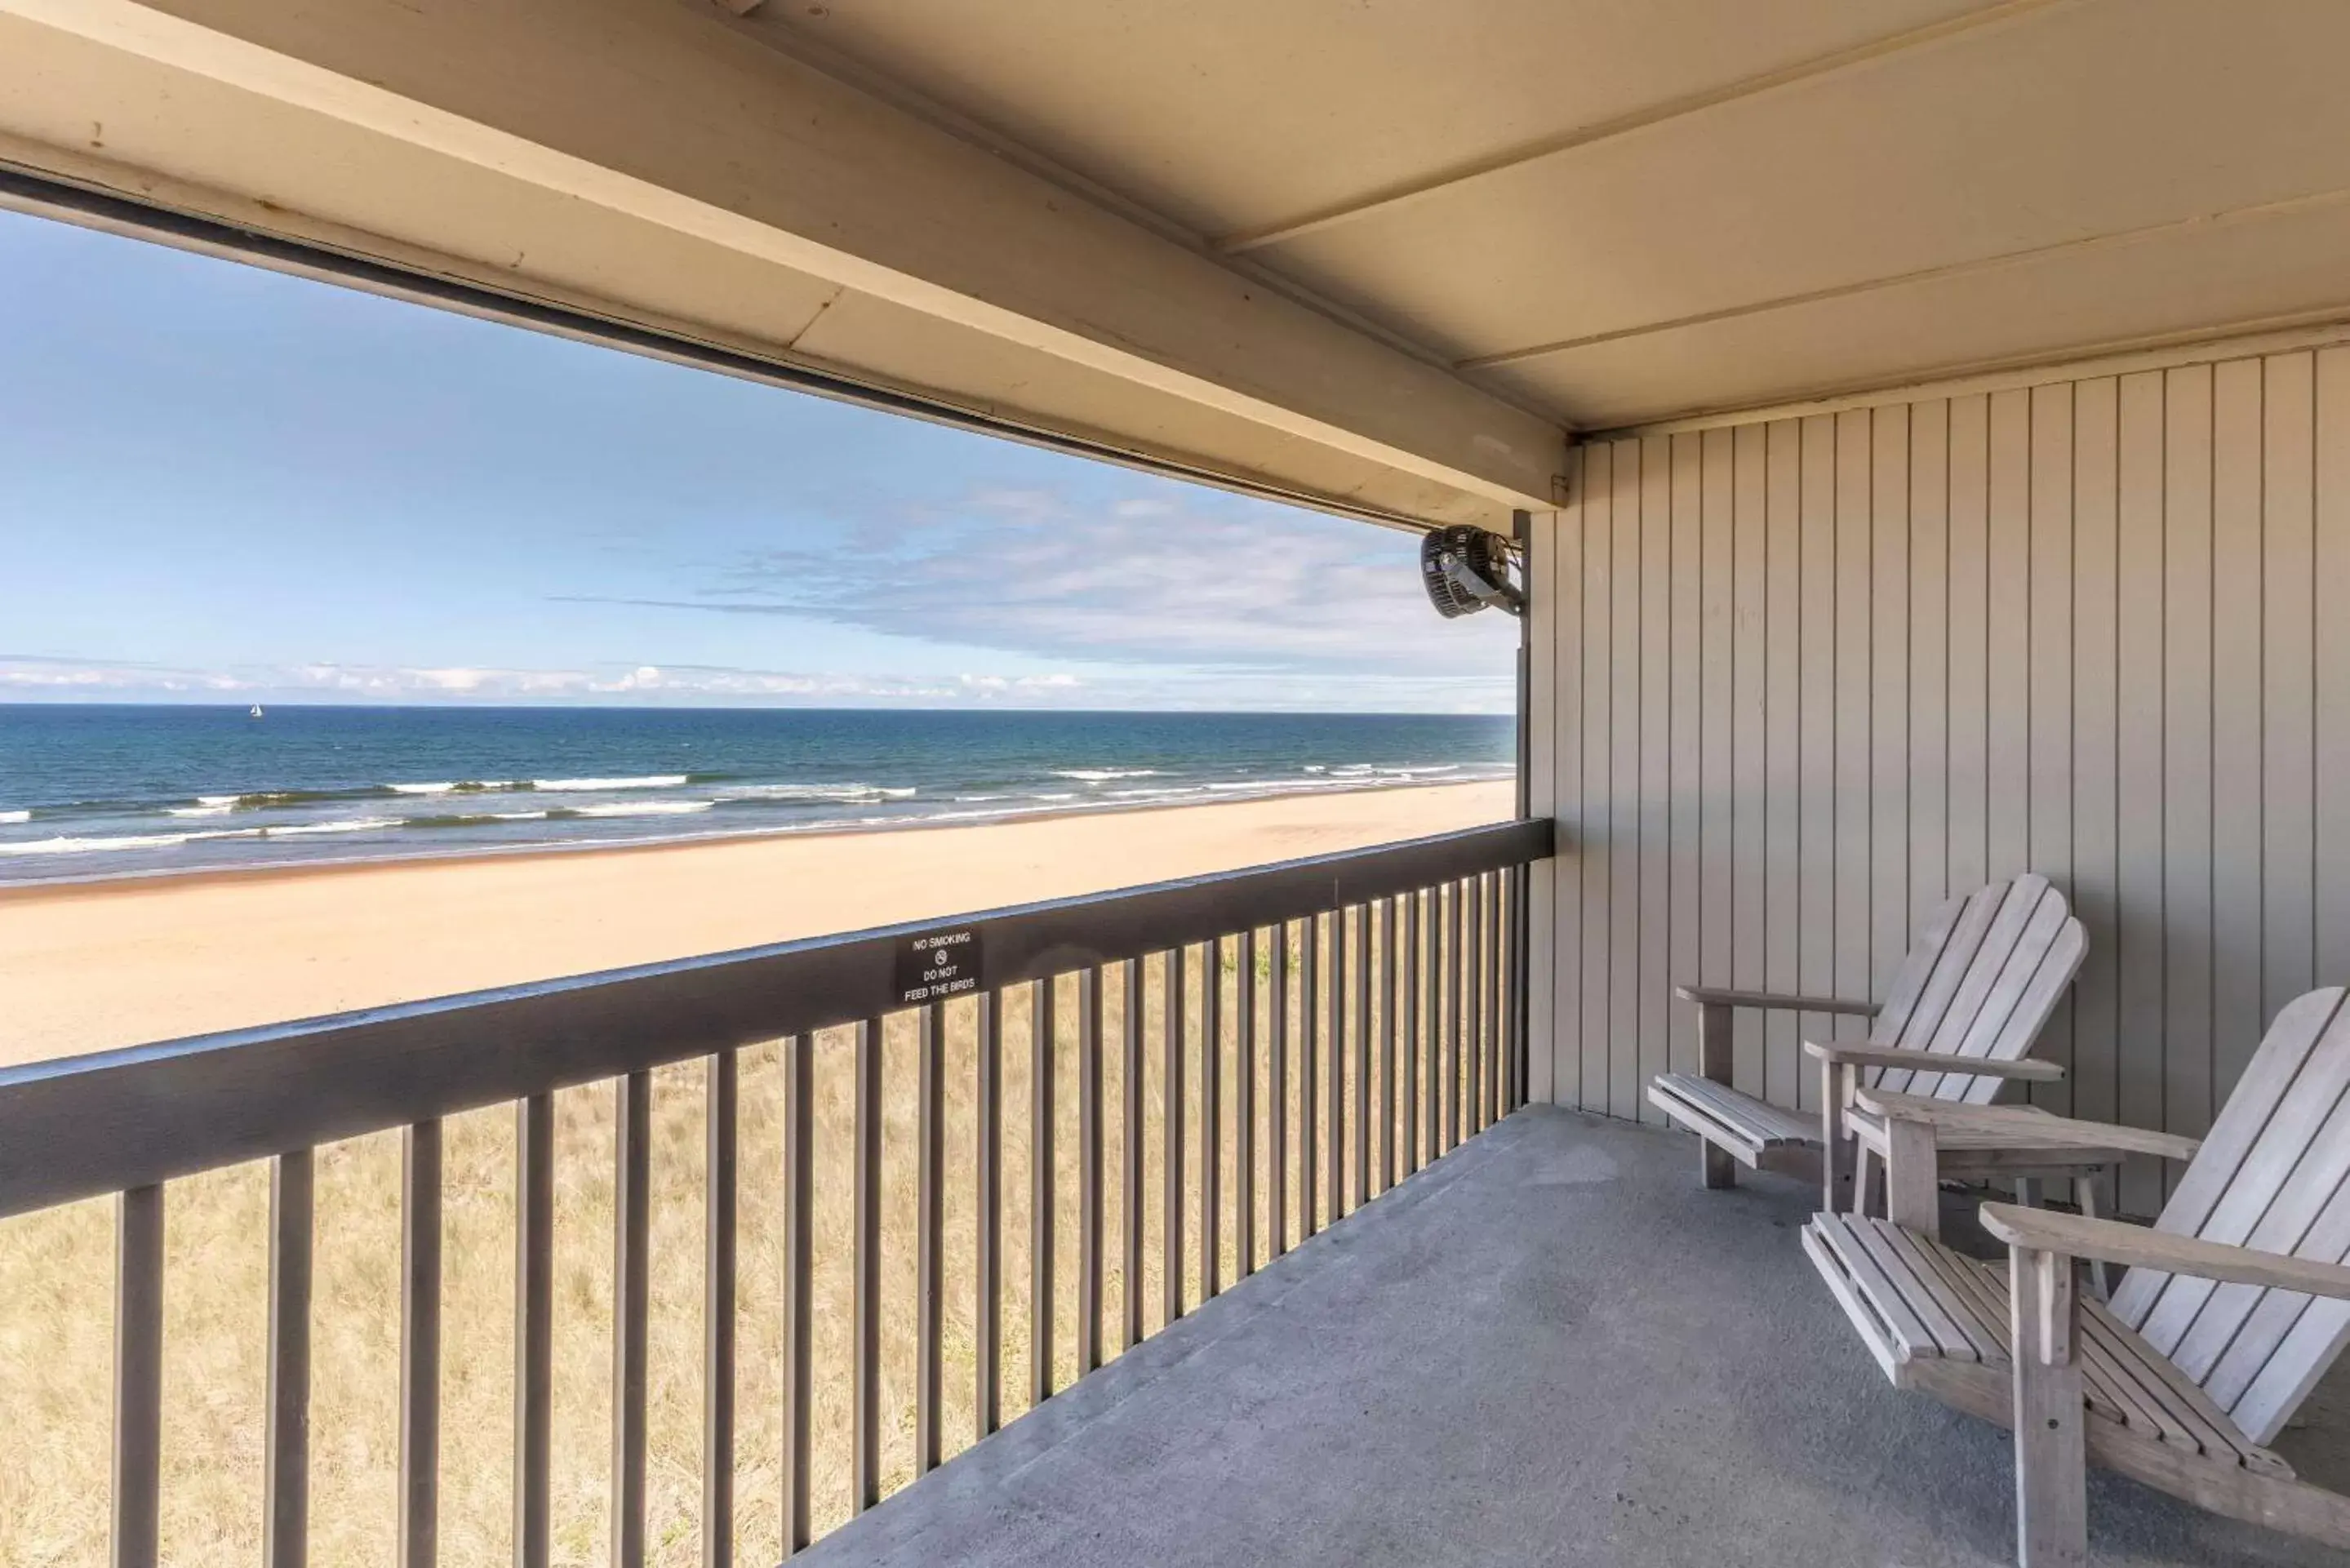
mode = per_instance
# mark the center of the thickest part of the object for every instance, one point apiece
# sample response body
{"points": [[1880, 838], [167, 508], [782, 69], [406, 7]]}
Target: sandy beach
{"points": [[94, 966]]}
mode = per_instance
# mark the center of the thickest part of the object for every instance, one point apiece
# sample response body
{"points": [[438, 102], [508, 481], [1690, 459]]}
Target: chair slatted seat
{"points": [[1919, 1301]]}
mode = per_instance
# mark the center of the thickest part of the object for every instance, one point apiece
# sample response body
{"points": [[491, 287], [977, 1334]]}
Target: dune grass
{"points": [[57, 1278]]}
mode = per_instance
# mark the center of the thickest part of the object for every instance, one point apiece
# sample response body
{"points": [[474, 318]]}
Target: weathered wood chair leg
{"points": [[1716, 1168], [1840, 1191], [2089, 1188], [2052, 1499], [1867, 1183], [1913, 1193]]}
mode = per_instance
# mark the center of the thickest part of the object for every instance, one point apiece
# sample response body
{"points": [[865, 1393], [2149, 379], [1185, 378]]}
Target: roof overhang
{"points": [[661, 164], [1380, 257]]}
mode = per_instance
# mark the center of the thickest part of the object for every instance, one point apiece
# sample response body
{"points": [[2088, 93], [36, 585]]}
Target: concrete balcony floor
{"points": [[1554, 1348]]}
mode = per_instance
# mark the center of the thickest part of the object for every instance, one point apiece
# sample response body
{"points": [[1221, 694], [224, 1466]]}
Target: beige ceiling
{"points": [[1621, 212], [1378, 254]]}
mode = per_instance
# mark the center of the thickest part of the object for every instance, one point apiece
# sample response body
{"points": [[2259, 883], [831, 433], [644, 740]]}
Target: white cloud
{"points": [[1204, 583]]}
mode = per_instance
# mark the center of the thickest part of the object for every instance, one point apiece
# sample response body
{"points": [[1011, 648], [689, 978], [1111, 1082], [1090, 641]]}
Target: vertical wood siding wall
{"points": [[1806, 678]]}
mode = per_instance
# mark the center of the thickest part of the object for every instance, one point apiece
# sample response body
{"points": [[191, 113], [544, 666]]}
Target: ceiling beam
{"points": [[1393, 198], [670, 115]]}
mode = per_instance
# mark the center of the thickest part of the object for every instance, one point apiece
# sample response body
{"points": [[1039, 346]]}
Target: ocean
{"points": [[111, 791]]}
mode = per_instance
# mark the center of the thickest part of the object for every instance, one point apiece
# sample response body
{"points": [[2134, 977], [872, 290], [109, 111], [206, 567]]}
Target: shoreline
{"points": [[97, 883], [94, 964]]}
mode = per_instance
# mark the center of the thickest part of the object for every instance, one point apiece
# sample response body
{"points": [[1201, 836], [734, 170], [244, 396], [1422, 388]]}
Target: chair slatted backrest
{"points": [[2274, 1174], [1985, 973]]}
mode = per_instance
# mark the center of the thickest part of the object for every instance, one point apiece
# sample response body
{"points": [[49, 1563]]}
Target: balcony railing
{"points": [[1316, 1030]]}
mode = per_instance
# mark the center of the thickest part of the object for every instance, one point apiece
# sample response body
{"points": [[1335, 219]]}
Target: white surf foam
{"points": [[15, 816], [219, 808], [650, 781], [645, 808], [839, 791], [96, 845], [1103, 776], [344, 825]]}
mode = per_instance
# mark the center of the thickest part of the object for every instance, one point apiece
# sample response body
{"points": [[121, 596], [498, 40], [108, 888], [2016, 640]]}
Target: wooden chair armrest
{"points": [[1931, 1062], [2047, 1230], [2032, 1128], [1716, 996]]}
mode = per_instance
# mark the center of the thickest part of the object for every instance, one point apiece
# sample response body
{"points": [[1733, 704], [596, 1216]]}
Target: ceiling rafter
{"points": [[2254, 212], [1406, 194]]}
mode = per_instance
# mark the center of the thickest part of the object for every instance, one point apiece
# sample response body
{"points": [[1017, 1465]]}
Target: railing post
{"points": [[285, 1477], [420, 1347], [138, 1376], [1409, 1021], [1089, 1171], [1390, 990], [1129, 1025], [1244, 1112], [720, 1139], [1363, 950], [799, 1305], [1309, 1056], [1277, 1078], [631, 1276], [533, 1329], [865, 1293], [930, 1225], [1212, 1120], [987, 1309], [1041, 1027], [1338, 1065], [1171, 1088]]}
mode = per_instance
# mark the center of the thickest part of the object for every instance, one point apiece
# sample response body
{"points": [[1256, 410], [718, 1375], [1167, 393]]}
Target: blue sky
{"points": [[221, 485]]}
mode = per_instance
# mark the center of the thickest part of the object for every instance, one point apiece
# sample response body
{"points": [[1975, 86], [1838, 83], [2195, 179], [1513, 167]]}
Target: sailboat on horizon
{"points": [[255, 711]]}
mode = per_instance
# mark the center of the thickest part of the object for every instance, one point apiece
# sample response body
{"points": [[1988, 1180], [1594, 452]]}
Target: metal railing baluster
{"points": [[1244, 1112], [865, 1295], [930, 1243], [1129, 1031], [1277, 1083], [420, 1345], [987, 1307], [1495, 1032], [1338, 1199], [1171, 1087], [631, 1228], [1362, 1039], [1089, 1171], [533, 1330], [1390, 1102], [138, 1378], [1309, 1105], [1431, 977], [799, 1301], [1409, 1019], [1456, 1071], [286, 1475], [1041, 1027], [1212, 1120], [1474, 1118], [720, 1135], [1520, 980]]}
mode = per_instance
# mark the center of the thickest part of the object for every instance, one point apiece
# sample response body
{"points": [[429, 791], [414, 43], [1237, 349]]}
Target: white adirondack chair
{"points": [[1970, 998], [2236, 1304]]}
